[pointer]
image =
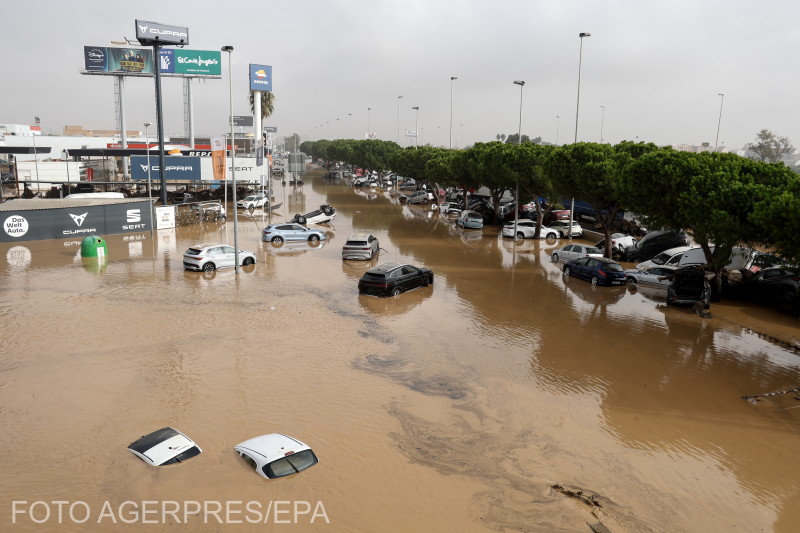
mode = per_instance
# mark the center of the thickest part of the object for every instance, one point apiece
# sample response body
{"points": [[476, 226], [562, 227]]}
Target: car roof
{"points": [[676, 250], [207, 245], [385, 267], [359, 237], [273, 446], [161, 445]]}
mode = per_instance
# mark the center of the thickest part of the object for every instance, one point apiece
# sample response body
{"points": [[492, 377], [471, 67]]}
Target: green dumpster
{"points": [[94, 246]]}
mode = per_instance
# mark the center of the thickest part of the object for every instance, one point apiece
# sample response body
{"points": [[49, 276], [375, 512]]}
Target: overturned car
{"points": [[323, 215]]}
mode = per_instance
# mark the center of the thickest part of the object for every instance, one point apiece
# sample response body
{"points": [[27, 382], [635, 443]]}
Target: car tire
{"points": [[277, 240], [554, 257], [566, 272], [430, 280], [632, 282], [300, 219], [425, 201], [396, 292], [560, 234], [314, 239], [595, 281], [248, 261], [327, 210], [520, 235], [209, 267]]}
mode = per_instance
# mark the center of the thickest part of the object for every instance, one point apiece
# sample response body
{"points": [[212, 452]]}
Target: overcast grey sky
{"points": [[657, 67]]}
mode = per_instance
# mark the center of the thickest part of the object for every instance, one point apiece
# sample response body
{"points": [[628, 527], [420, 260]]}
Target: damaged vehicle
{"points": [[164, 447], [276, 455], [324, 215]]}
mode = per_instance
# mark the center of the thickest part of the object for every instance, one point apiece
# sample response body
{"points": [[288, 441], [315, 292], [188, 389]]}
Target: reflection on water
{"points": [[464, 401]]}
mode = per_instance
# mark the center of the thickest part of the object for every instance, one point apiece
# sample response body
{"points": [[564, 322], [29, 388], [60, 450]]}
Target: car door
{"points": [[225, 256], [579, 267], [296, 233], [568, 253], [412, 277]]}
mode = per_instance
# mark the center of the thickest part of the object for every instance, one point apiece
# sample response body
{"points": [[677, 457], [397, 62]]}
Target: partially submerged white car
{"points": [[526, 229], [164, 447], [276, 455]]}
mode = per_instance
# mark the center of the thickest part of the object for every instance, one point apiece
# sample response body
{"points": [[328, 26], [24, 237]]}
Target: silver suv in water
{"points": [[360, 246]]}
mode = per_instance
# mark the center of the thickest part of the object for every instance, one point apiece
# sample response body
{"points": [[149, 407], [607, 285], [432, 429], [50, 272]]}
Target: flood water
{"points": [[455, 407]]}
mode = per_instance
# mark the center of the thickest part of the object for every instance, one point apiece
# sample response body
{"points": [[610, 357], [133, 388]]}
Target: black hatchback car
{"points": [[390, 279], [654, 243]]}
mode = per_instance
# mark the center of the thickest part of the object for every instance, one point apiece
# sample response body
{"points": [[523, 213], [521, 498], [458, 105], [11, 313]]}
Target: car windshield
{"points": [[290, 464], [660, 259], [612, 267]]}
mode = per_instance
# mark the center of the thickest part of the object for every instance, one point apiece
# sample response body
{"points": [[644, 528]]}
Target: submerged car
{"points": [[469, 219], [669, 257], [360, 246], [278, 233], [598, 270], [563, 227], [391, 279], [276, 455], [657, 276], [323, 215], [254, 200], [164, 447], [423, 196], [574, 251], [209, 257], [777, 286], [619, 241], [654, 243], [689, 285], [526, 229]]}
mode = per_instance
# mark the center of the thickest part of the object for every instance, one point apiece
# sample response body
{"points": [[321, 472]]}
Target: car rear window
{"points": [[194, 251], [592, 250], [355, 243], [291, 464], [374, 278]]}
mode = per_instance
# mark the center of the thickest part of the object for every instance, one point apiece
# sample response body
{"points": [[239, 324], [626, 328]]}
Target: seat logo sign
{"points": [[134, 219], [78, 219]]}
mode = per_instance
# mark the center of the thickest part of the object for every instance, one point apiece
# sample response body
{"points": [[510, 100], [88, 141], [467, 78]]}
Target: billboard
{"points": [[179, 62], [150, 33], [260, 77], [243, 120], [117, 216], [118, 60], [175, 168], [196, 62]]}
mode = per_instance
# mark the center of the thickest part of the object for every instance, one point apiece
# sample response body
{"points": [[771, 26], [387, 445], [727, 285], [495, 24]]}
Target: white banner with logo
{"points": [[165, 217]]}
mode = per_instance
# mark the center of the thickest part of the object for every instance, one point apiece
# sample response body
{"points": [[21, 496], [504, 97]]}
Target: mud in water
{"points": [[502, 398]]}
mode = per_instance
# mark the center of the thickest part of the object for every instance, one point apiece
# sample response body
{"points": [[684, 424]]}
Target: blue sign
{"points": [[260, 77], [166, 60], [175, 168]]}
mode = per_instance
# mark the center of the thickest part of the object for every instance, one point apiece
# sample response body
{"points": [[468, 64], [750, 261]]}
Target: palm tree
{"points": [[267, 103]]}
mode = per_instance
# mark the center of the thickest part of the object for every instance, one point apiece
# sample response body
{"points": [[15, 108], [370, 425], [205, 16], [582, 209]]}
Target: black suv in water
{"points": [[654, 243], [390, 279]]}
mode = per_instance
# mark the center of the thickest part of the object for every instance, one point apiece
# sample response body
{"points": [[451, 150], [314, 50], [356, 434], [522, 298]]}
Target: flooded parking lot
{"points": [[502, 398]]}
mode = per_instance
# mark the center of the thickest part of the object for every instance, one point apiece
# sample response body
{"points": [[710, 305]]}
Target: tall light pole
{"points": [[229, 49], [558, 125], [452, 78], [577, 110], [519, 142], [368, 110], [149, 181], [722, 99], [350, 126], [398, 119], [602, 119], [580, 59], [416, 127]]}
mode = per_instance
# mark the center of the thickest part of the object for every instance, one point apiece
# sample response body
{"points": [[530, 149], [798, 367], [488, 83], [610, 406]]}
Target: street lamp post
{"points": [[349, 125], [558, 125], [368, 110], [602, 119], [578, 105], [719, 121], [229, 49], [451, 109], [577, 110], [519, 142], [149, 181], [398, 119], [416, 126]]}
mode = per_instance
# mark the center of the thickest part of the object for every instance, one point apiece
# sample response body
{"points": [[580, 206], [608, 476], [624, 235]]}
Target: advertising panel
{"points": [[148, 32], [246, 169], [260, 77], [217, 159], [244, 121], [75, 222], [198, 62], [118, 60], [175, 168]]}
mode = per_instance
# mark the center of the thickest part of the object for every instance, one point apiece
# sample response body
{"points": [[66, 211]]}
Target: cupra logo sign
{"points": [[78, 219]]}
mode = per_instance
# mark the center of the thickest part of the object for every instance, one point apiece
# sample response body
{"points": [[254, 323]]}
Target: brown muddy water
{"points": [[456, 407]]}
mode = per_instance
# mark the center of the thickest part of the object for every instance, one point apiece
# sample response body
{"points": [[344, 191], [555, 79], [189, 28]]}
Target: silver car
{"points": [[208, 257], [574, 251], [278, 233], [360, 246]]}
